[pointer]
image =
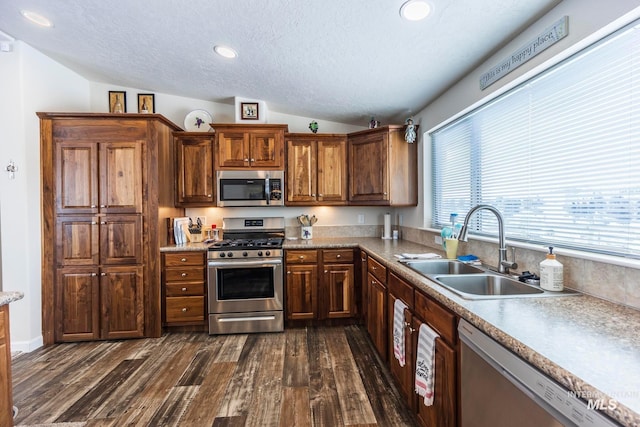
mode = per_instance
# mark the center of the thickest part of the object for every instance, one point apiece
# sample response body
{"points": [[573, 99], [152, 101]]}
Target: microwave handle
{"points": [[267, 190]]}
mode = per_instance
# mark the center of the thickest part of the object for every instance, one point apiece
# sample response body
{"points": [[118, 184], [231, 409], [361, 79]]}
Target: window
{"points": [[558, 155]]}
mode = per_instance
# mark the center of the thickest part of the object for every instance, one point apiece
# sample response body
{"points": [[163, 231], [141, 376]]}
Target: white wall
{"points": [[29, 82], [587, 19]]}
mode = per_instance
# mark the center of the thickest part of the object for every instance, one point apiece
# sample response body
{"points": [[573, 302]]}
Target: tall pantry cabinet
{"points": [[107, 189]]}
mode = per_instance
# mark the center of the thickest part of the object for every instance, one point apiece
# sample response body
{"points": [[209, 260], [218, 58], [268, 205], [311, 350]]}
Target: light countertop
{"points": [[587, 344], [7, 297]]}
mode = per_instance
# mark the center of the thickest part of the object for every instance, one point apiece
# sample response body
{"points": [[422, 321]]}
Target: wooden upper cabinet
{"points": [[316, 169], [98, 177], [195, 185], [240, 146], [383, 168]]}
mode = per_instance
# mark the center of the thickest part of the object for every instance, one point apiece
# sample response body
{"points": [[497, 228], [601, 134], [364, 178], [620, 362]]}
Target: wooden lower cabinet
{"points": [[376, 303], [99, 303], [320, 284], [184, 288], [6, 387]]}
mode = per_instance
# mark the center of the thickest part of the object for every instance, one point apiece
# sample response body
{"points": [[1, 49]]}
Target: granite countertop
{"points": [[7, 297], [587, 344]]}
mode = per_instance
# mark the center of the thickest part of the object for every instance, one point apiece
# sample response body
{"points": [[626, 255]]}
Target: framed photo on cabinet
{"points": [[249, 111], [146, 103], [117, 101]]}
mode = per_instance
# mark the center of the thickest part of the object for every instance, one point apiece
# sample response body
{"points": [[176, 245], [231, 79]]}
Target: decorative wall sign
{"points": [[249, 111], [146, 103], [117, 101], [547, 38]]}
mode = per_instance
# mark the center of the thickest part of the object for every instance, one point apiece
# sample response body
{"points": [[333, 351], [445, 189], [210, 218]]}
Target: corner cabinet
{"points": [[383, 168], [241, 146], [316, 169], [195, 184], [105, 180]]}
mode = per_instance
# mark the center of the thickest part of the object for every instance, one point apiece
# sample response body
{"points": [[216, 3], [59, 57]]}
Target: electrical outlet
{"points": [[203, 219], [360, 218], [438, 239]]}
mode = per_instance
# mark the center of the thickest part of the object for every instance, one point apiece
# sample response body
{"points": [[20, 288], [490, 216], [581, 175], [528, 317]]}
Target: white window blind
{"points": [[558, 155]]}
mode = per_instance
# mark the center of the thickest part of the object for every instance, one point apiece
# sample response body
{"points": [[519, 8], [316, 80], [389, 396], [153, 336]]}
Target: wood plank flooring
{"points": [[302, 377]]}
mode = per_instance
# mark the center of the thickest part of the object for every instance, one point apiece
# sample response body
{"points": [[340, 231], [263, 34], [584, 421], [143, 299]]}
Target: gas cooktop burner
{"points": [[272, 242]]}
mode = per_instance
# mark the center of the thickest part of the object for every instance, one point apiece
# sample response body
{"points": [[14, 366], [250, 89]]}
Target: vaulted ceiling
{"points": [[328, 59]]}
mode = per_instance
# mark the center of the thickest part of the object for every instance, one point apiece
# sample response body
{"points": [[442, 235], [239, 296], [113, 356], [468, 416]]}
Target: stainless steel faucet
{"points": [[503, 264]]}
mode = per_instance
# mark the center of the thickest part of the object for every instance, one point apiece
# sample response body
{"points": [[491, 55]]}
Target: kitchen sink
{"points": [[441, 266], [486, 285]]}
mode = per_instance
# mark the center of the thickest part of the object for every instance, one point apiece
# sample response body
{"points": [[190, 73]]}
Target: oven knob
{"points": [[259, 253], [244, 254], [222, 255], [230, 254], [268, 253]]}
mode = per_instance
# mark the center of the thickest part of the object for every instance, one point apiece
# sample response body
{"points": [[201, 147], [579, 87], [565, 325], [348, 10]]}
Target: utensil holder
{"points": [[306, 232]]}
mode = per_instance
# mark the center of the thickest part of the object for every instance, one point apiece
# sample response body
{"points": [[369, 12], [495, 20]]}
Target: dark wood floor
{"points": [[303, 377]]}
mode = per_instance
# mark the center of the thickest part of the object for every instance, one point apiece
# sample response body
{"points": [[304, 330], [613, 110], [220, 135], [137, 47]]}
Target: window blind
{"points": [[558, 155]]}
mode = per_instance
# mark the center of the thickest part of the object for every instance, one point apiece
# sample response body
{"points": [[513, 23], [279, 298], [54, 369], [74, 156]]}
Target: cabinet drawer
{"points": [[187, 274], [184, 258], [185, 309], [378, 270], [302, 257], [337, 255], [401, 289], [436, 316], [184, 289]]}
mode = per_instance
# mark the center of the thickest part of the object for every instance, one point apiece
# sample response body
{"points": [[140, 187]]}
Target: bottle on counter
{"points": [[551, 273]]}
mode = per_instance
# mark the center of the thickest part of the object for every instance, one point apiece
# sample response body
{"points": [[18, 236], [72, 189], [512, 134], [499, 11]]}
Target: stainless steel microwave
{"points": [[250, 188]]}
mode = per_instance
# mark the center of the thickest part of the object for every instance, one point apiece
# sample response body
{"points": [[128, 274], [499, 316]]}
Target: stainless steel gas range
{"points": [[245, 277]]}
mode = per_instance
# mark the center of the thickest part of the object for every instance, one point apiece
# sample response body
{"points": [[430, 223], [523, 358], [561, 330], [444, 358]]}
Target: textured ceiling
{"points": [[328, 59]]}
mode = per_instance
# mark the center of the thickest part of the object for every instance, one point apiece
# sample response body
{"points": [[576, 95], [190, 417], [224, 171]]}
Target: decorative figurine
{"points": [[373, 123], [313, 126], [410, 132]]}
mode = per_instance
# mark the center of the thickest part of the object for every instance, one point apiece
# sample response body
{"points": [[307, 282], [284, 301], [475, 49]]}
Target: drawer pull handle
{"points": [[183, 260], [301, 256], [184, 309], [184, 289], [184, 274]]}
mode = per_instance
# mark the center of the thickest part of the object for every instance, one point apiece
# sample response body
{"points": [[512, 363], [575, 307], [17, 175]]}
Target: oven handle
{"points": [[244, 263]]}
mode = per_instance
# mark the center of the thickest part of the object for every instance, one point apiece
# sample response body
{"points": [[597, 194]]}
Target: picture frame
{"points": [[249, 111], [146, 103], [117, 101]]}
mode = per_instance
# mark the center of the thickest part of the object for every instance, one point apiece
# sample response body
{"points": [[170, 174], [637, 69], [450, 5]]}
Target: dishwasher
{"points": [[499, 389]]}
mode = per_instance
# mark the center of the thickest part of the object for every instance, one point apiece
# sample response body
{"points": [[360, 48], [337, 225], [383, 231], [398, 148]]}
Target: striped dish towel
{"points": [[425, 363], [398, 331]]}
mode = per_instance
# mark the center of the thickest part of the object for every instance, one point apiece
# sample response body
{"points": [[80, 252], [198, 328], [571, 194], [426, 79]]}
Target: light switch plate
{"points": [[360, 218], [203, 219]]}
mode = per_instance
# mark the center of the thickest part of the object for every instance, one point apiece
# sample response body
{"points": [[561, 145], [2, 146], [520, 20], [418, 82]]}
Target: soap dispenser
{"points": [[551, 273]]}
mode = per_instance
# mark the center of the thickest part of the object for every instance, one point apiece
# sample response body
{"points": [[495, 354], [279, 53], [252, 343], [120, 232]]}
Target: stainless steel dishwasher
{"points": [[499, 389]]}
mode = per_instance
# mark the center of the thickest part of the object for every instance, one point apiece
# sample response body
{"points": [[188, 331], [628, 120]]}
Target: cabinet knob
{"points": [[384, 194], [313, 195], [411, 330], [184, 274], [301, 257], [94, 222], [93, 206], [103, 206], [184, 289], [253, 160], [319, 195], [103, 222], [338, 256], [209, 195], [93, 274], [373, 282], [288, 272], [103, 274], [326, 271], [246, 160], [183, 260], [184, 309], [374, 268]]}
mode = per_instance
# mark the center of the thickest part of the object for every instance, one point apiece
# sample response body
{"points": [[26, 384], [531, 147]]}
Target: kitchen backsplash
{"points": [[608, 281], [320, 231]]}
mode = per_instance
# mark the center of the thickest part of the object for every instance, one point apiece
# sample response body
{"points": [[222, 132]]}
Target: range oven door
{"points": [[243, 286]]}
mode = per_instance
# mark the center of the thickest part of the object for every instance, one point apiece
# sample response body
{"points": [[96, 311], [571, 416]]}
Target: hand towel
{"points": [[425, 363], [421, 256], [398, 331]]}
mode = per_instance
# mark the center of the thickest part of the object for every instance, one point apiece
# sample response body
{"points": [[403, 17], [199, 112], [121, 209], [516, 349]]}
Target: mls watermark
{"points": [[596, 401]]}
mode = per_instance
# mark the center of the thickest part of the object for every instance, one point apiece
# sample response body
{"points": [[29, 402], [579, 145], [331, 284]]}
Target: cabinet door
{"points": [[195, 184], [301, 171], [76, 166], [368, 168], [337, 291], [77, 304], [377, 315], [121, 177], [122, 302], [121, 239], [6, 386], [404, 375], [301, 291], [332, 172], [77, 242], [232, 149], [266, 149], [364, 287], [443, 412]]}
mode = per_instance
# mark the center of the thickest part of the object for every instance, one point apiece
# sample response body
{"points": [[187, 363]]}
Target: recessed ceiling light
{"points": [[36, 18], [415, 10], [225, 51]]}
